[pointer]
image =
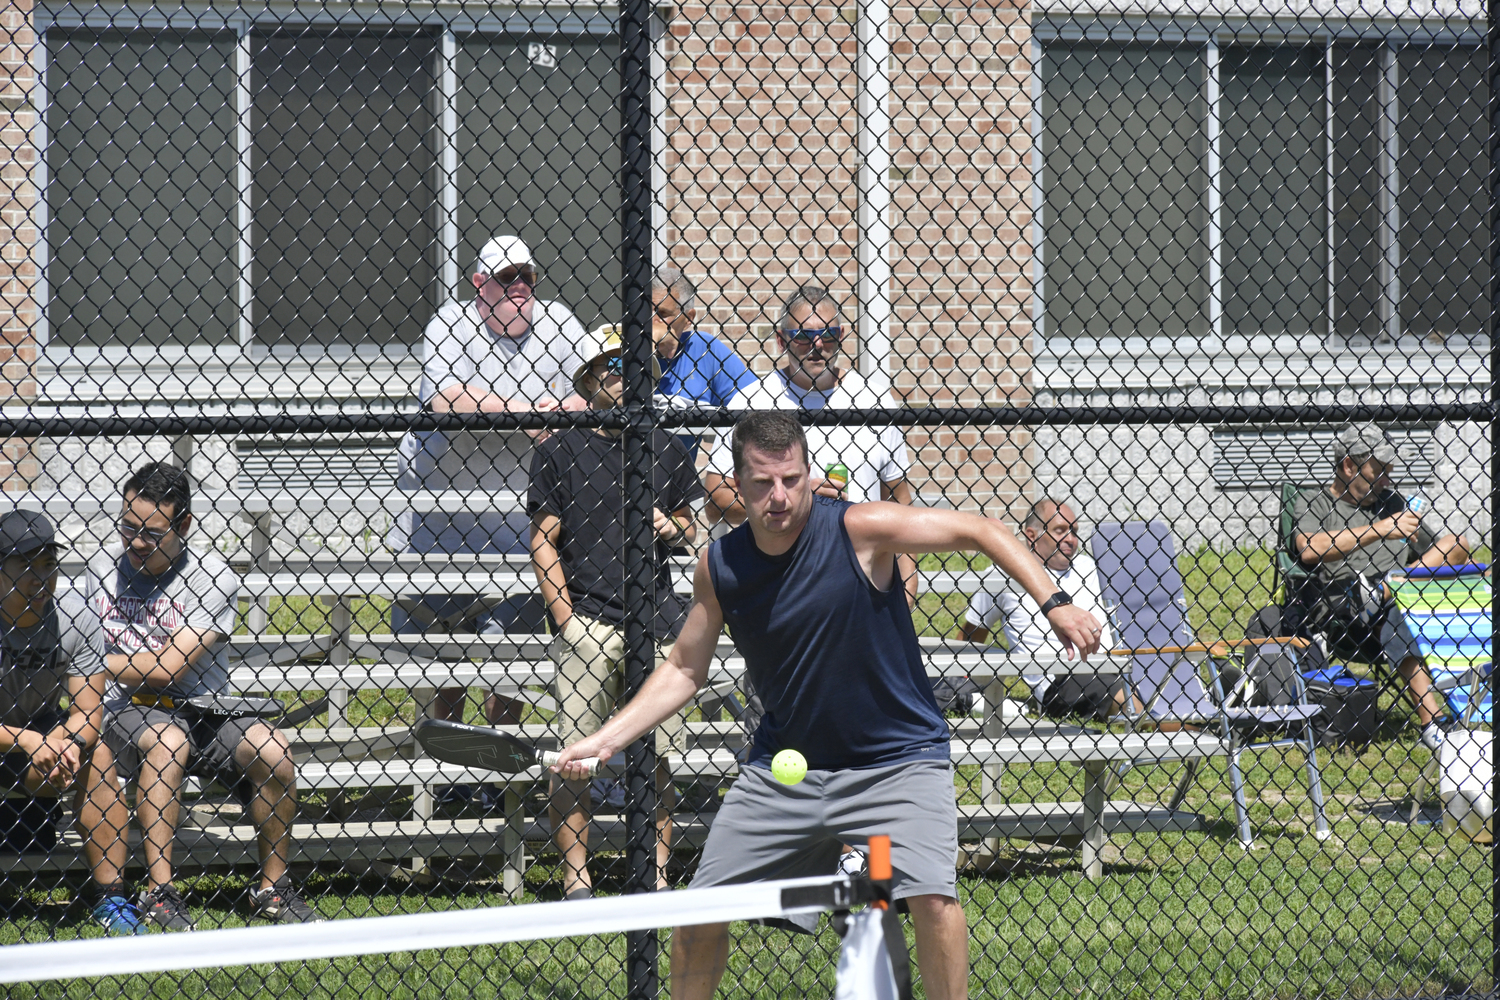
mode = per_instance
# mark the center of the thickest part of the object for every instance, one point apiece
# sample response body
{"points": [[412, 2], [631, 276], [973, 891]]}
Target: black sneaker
{"points": [[165, 907], [281, 904]]}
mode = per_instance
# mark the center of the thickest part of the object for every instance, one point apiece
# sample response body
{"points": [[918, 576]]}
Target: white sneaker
{"points": [[1433, 736]]}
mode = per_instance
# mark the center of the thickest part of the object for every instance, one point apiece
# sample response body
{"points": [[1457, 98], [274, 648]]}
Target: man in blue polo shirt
{"points": [[695, 366]]}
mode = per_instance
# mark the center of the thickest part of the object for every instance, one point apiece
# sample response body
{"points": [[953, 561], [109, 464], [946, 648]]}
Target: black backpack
{"points": [[1351, 715]]}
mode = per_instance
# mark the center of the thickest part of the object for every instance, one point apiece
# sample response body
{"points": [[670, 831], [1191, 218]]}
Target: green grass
{"points": [[1382, 908]]}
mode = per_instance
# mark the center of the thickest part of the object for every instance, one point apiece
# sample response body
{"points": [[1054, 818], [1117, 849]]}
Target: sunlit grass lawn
{"points": [[1382, 908]]}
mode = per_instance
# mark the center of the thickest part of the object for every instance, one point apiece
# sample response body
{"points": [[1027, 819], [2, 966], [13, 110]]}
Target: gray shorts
{"points": [[766, 830], [211, 748]]}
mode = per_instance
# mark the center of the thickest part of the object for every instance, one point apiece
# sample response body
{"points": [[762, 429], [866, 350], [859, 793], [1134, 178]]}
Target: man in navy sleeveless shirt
{"points": [[813, 601]]}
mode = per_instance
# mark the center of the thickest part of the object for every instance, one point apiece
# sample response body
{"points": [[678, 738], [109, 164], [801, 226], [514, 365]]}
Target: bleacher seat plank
{"points": [[1066, 819]]}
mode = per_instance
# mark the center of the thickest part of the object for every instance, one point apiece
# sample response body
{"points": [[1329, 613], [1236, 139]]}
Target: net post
{"points": [[637, 350], [880, 865]]}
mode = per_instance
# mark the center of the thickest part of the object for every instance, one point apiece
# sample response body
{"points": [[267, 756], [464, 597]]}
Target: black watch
{"points": [[1057, 600], [83, 744]]}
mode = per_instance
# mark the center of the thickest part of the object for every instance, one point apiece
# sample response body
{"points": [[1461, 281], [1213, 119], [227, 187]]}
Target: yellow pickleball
{"points": [[788, 767]]}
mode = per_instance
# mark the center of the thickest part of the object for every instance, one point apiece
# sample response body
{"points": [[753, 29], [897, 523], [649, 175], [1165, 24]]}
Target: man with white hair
{"points": [[506, 350], [1051, 531]]}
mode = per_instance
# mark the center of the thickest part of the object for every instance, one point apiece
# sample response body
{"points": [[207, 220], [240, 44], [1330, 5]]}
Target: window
{"points": [[1317, 189], [343, 199], [141, 192], [1125, 212], [318, 188]]}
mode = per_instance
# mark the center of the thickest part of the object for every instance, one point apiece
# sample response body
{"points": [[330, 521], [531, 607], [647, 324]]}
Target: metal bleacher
{"points": [[345, 763]]}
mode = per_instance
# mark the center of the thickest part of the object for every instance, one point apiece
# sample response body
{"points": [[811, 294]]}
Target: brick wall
{"points": [[761, 168], [18, 232]]}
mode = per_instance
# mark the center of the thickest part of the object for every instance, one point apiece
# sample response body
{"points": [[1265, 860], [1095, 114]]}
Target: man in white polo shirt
{"points": [[504, 351], [809, 333], [1051, 528]]}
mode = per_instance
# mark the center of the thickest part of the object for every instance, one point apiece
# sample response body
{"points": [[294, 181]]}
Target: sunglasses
{"points": [[515, 276], [830, 334], [614, 365], [130, 532]]}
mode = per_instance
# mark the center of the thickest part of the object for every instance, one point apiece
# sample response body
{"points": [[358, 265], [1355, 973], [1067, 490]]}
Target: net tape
{"points": [[424, 931]]}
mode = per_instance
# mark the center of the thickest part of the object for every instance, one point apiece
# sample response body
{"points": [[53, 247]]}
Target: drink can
{"points": [[837, 474]]}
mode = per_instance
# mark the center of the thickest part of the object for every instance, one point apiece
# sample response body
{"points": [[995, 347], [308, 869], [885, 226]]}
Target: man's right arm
{"points": [[670, 686]]}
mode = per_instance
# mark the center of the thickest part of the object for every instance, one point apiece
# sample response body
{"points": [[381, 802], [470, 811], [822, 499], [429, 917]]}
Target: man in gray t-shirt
{"points": [[168, 612], [1351, 535], [51, 648]]}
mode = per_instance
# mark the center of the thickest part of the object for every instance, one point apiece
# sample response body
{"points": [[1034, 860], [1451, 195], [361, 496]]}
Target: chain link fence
{"points": [[377, 363]]}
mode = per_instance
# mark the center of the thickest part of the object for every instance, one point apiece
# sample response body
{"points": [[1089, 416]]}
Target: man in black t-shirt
{"points": [[52, 648], [577, 505]]}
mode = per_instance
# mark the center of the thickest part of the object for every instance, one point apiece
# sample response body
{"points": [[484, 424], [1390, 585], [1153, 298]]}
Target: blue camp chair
{"points": [[1138, 572], [1448, 609]]}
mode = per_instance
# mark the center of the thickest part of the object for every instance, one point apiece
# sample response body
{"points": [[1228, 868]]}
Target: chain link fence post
{"points": [[640, 540]]}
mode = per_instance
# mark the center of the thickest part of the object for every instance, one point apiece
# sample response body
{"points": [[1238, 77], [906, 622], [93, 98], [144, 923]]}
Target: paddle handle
{"points": [[549, 757]]}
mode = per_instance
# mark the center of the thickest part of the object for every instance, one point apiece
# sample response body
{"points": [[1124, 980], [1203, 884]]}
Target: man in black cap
{"points": [[51, 646]]}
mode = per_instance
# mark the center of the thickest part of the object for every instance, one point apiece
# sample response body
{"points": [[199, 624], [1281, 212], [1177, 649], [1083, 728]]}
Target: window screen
{"points": [[141, 189], [1445, 270], [1273, 182], [539, 158], [344, 188], [1126, 247]]}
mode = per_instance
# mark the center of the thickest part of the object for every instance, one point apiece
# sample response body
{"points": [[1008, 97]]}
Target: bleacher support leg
{"points": [[260, 561], [1093, 819], [994, 728], [513, 874], [1241, 806]]}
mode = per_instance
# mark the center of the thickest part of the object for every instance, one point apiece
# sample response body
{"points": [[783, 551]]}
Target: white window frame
{"points": [[197, 372], [1211, 33]]}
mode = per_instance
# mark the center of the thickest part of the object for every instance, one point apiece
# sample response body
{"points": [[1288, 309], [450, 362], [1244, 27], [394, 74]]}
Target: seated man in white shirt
{"points": [[505, 350], [1051, 528]]}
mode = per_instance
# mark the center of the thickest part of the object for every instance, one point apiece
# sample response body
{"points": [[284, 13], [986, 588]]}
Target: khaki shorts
{"points": [[590, 658]]}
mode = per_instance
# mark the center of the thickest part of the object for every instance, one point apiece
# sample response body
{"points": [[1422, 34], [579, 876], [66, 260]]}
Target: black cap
{"points": [[25, 531]]}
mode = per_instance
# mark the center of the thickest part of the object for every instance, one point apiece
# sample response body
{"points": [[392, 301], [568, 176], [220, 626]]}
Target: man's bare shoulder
{"points": [[878, 517]]}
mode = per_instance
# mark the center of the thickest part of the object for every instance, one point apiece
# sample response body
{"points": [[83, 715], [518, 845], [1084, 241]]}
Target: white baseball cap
{"points": [[502, 252]]}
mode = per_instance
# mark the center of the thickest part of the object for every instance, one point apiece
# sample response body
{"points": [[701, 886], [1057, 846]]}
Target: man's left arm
{"points": [[900, 492], [877, 529], [210, 620]]}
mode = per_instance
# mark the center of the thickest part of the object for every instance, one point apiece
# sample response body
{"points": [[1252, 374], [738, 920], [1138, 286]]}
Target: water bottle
{"points": [[1417, 502]]}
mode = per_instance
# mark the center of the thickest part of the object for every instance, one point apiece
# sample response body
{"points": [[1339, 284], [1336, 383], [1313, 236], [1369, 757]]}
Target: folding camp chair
{"points": [[1138, 573], [1448, 610]]}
